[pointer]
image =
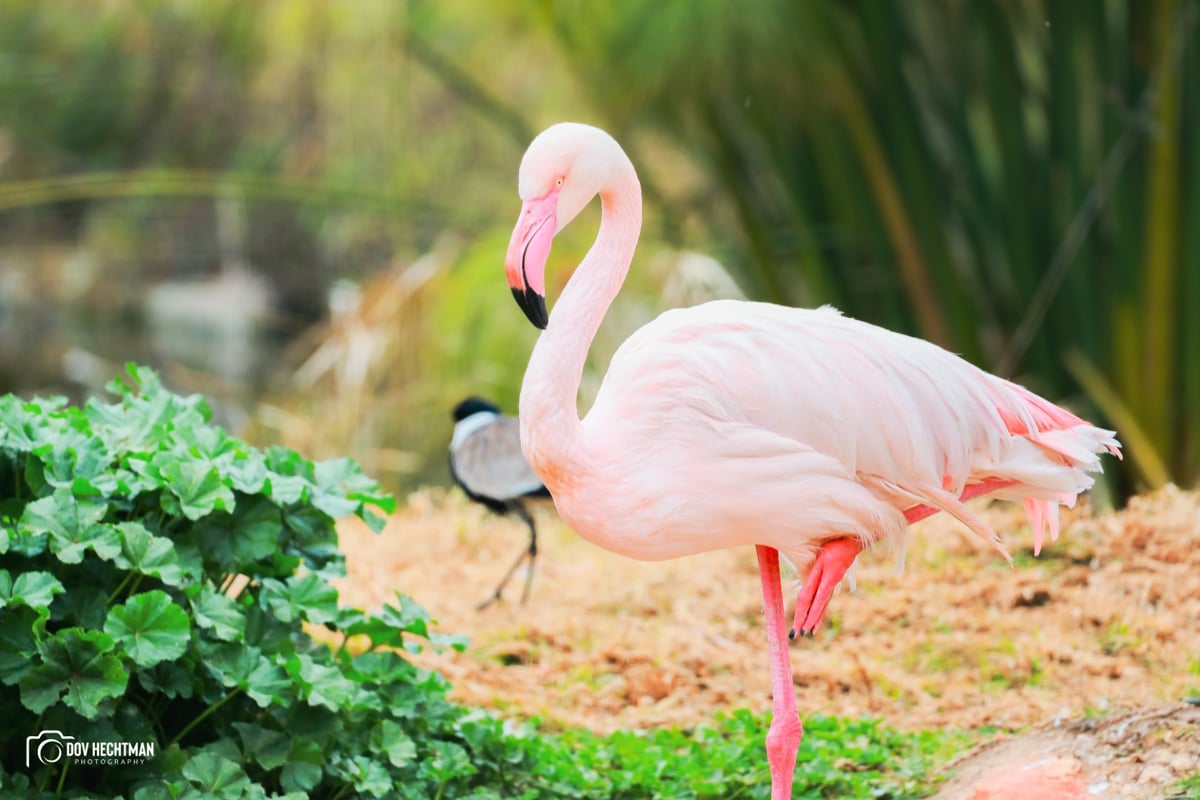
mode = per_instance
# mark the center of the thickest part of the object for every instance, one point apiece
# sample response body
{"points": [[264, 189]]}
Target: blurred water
{"points": [[68, 326]]}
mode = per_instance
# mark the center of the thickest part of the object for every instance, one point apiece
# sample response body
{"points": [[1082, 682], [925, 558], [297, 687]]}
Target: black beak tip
{"points": [[534, 306]]}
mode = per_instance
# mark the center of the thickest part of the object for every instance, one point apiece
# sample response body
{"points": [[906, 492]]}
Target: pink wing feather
{"points": [[1057, 430], [910, 422]]}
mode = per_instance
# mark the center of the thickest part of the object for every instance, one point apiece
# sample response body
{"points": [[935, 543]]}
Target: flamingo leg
{"points": [[836, 556], [783, 737]]}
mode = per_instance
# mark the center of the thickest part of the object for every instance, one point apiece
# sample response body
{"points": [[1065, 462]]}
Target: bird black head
{"points": [[473, 405]]}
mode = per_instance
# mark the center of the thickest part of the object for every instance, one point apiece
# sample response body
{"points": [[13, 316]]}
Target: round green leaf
{"points": [[389, 737], [220, 614], [143, 552], [33, 589], [78, 663], [196, 484], [249, 670], [216, 775], [323, 684], [301, 597], [72, 525], [268, 748], [149, 627], [305, 766]]}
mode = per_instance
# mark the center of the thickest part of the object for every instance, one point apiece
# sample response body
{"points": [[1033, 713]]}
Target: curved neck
{"points": [[550, 427]]}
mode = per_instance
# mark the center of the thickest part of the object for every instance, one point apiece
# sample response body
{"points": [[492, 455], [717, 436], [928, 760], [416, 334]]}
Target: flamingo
{"points": [[800, 432], [486, 463]]}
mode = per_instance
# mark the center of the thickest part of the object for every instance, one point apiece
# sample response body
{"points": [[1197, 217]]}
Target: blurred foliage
{"points": [[163, 162], [1019, 182]]}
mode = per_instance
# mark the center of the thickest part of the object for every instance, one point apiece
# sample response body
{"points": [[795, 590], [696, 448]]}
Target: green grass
{"points": [[1118, 637], [1187, 789], [839, 758]]}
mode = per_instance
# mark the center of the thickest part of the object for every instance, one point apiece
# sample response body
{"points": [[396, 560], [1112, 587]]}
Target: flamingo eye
{"points": [[558, 182]]}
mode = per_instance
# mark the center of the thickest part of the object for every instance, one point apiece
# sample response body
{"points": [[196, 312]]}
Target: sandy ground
{"points": [[1106, 620]]}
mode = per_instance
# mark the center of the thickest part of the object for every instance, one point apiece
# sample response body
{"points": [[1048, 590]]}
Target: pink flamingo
{"points": [[798, 431]]}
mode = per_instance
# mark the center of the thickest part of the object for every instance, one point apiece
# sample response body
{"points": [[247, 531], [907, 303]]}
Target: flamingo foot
{"points": [[828, 569]]}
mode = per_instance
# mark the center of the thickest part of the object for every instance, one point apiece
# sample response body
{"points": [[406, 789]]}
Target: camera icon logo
{"points": [[48, 747]]}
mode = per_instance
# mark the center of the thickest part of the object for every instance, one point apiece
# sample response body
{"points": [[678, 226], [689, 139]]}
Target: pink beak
{"points": [[525, 262]]}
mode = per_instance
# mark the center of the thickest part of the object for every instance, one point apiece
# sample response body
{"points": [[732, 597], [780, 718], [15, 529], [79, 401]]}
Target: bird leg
{"points": [[523, 514], [529, 553], [783, 737], [836, 556], [503, 581]]}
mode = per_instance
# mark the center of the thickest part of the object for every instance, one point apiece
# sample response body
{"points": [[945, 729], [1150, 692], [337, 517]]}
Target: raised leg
{"points": [[836, 556], [783, 738]]}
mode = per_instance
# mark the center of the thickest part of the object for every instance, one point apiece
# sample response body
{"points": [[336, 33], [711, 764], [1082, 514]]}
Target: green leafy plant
{"points": [[156, 578]]}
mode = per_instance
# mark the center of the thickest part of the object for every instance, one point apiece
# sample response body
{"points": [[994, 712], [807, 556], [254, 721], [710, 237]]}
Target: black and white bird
{"points": [[487, 463]]}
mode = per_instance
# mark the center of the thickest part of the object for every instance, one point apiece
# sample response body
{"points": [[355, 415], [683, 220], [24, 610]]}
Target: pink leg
{"points": [[836, 556], [783, 738]]}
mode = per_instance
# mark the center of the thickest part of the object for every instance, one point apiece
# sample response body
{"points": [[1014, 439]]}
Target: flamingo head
{"points": [[564, 168]]}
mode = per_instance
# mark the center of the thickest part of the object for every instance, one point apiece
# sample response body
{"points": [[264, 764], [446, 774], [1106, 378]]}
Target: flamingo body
{"points": [[798, 431], [739, 413]]}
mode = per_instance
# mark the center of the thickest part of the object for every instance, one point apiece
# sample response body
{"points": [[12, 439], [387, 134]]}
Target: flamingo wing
{"points": [[907, 421]]}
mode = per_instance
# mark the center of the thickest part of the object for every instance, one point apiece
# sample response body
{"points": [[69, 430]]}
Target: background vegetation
{"points": [[300, 208]]}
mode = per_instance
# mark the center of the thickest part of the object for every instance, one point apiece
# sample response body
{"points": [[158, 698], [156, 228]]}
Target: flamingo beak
{"points": [[525, 262]]}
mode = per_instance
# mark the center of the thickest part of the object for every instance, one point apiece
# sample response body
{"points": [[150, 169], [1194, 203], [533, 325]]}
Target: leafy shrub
{"points": [[156, 579], [156, 575]]}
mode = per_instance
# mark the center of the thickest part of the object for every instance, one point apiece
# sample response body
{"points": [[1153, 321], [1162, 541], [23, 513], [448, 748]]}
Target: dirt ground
{"points": [[1105, 622], [1137, 754]]}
